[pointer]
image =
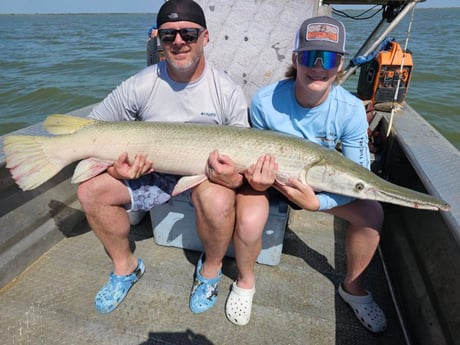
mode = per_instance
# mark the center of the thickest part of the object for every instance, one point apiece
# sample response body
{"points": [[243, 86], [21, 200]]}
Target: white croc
{"points": [[366, 310], [239, 305]]}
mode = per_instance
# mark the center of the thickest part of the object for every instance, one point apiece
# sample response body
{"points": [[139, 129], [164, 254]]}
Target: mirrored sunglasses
{"points": [[188, 35], [328, 59]]}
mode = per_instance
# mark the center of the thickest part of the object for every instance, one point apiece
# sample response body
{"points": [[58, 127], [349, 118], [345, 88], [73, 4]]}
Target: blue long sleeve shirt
{"points": [[340, 118]]}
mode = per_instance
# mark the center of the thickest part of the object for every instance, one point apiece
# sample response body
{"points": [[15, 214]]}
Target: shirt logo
{"points": [[208, 114]]}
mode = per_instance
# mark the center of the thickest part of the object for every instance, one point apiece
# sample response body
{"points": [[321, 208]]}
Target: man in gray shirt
{"points": [[183, 88]]}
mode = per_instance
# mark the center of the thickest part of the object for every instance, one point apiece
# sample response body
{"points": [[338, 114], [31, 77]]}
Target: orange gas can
{"points": [[378, 79]]}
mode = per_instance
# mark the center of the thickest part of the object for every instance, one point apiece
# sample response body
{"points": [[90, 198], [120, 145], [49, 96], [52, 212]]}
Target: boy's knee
{"points": [[376, 215]]}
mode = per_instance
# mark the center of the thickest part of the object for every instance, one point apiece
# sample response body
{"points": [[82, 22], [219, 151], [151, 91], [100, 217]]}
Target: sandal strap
{"points": [[355, 299], [243, 292]]}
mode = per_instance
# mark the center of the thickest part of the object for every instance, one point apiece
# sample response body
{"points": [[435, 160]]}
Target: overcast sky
{"points": [[124, 6]]}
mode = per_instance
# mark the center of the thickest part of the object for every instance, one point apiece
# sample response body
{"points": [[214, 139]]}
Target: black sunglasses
{"points": [[188, 35]]}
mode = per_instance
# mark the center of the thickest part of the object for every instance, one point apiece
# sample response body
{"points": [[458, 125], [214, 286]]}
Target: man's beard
{"points": [[190, 66]]}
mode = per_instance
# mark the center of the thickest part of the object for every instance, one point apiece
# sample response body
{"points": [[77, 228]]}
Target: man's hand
{"points": [[302, 195], [222, 170], [123, 170], [262, 175]]}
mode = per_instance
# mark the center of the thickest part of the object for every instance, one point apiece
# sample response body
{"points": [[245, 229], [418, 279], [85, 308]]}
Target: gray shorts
{"points": [[150, 190]]}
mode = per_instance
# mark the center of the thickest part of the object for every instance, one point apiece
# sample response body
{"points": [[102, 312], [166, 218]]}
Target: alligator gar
{"points": [[183, 149]]}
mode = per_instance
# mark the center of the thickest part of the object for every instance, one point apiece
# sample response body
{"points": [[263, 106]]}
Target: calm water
{"points": [[58, 63]]}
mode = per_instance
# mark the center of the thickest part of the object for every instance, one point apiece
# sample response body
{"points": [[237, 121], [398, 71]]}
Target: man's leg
{"points": [[102, 198], [215, 220]]}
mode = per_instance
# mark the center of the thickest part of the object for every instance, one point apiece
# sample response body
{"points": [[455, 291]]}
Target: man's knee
{"points": [[213, 199], [84, 193], [94, 190]]}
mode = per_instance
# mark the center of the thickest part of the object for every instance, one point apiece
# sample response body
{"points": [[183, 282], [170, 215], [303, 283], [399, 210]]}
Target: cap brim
{"points": [[310, 49]]}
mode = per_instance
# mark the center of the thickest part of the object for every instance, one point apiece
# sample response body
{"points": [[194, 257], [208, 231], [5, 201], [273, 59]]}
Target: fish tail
{"points": [[65, 124], [28, 162]]}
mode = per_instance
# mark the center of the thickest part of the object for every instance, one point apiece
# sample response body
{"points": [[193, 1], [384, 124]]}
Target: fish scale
{"points": [[189, 145]]}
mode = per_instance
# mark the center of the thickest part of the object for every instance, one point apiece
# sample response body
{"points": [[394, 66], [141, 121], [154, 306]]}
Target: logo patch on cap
{"points": [[173, 15], [322, 32]]}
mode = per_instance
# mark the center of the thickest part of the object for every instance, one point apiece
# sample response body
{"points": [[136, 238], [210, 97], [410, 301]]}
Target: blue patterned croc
{"points": [[116, 289], [204, 291]]}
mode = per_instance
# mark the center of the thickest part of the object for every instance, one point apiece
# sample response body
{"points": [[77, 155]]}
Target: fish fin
{"points": [[65, 124], [27, 161], [188, 182], [89, 168]]}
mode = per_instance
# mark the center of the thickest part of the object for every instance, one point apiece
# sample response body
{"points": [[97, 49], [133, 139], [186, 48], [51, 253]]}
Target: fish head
{"points": [[350, 179], [334, 178]]}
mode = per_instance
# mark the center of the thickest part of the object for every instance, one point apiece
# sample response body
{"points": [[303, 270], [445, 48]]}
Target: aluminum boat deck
{"points": [[295, 303]]}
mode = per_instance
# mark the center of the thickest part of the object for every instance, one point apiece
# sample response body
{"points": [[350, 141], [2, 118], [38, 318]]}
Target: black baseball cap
{"points": [[181, 10]]}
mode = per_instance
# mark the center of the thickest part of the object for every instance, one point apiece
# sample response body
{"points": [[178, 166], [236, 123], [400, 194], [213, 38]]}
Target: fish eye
{"points": [[359, 187]]}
